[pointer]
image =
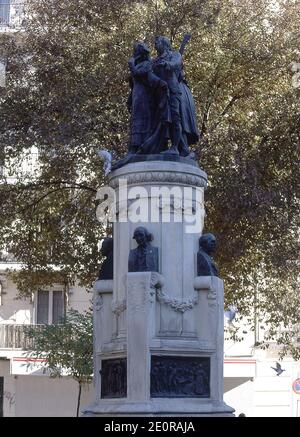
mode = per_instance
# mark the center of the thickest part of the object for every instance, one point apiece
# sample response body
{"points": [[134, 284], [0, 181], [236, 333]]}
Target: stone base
{"points": [[160, 408], [143, 389], [131, 158]]}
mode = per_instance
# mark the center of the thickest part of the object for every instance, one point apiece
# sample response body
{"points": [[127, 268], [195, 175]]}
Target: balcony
{"points": [[13, 336], [11, 15]]}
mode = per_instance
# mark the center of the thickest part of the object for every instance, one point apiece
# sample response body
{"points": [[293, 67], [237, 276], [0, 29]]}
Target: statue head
{"points": [[141, 50], [142, 236], [107, 246], [207, 242], [162, 43]]}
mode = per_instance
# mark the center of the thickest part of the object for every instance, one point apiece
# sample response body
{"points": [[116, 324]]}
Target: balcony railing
{"points": [[11, 15], [13, 336]]}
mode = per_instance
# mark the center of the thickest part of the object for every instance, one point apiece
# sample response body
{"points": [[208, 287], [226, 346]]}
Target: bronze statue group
{"points": [[161, 103]]}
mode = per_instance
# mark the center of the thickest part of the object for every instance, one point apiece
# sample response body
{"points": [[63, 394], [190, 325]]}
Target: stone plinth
{"points": [[158, 346], [199, 392]]}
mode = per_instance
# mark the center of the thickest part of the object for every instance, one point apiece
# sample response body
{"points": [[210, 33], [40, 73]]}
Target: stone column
{"points": [[102, 325], [140, 316]]}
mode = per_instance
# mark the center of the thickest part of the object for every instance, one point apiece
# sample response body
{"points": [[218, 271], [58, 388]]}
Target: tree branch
{"points": [[43, 197]]}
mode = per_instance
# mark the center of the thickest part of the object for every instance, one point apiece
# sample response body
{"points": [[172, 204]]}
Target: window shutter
{"points": [[58, 308], [42, 307]]}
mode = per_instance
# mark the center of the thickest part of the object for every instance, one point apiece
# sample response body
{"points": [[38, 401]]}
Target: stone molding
{"points": [[163, 177], [103, 286], [206, 283], [172, 205]]}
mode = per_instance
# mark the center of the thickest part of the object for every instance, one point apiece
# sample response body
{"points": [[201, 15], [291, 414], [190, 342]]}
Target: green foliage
{"points": [[67, 86], [66, 347]]}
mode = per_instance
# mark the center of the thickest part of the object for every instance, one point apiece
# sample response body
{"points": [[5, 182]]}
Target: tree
{"points": [[66, 93], [66, 347]]}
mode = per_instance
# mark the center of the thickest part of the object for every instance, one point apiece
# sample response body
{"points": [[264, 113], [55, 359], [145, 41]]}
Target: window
{"points": [[4, 12], [50, 307], [42, 308], [58, 306]]}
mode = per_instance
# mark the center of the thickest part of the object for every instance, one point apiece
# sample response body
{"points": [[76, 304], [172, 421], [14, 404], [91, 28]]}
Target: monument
{"points": [[158, 323]]}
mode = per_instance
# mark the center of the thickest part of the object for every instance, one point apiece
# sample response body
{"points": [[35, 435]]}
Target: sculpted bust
{"points": [[145, 257], [205, 263], [106, 269]]}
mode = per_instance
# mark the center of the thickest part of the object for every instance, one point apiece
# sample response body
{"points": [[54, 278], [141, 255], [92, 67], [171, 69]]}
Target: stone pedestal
{"points": [[158, 346]]}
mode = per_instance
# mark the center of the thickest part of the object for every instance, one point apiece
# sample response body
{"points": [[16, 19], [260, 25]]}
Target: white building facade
{"points": [[251, 383], [25, 386]]}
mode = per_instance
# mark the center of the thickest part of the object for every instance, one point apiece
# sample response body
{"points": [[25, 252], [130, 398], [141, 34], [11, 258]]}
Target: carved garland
{"points": [[166, 177], [180, 305]]}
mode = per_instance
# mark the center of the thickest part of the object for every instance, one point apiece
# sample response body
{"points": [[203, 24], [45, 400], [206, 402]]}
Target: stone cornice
{"points": [[159, 173], [162, 178]]}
